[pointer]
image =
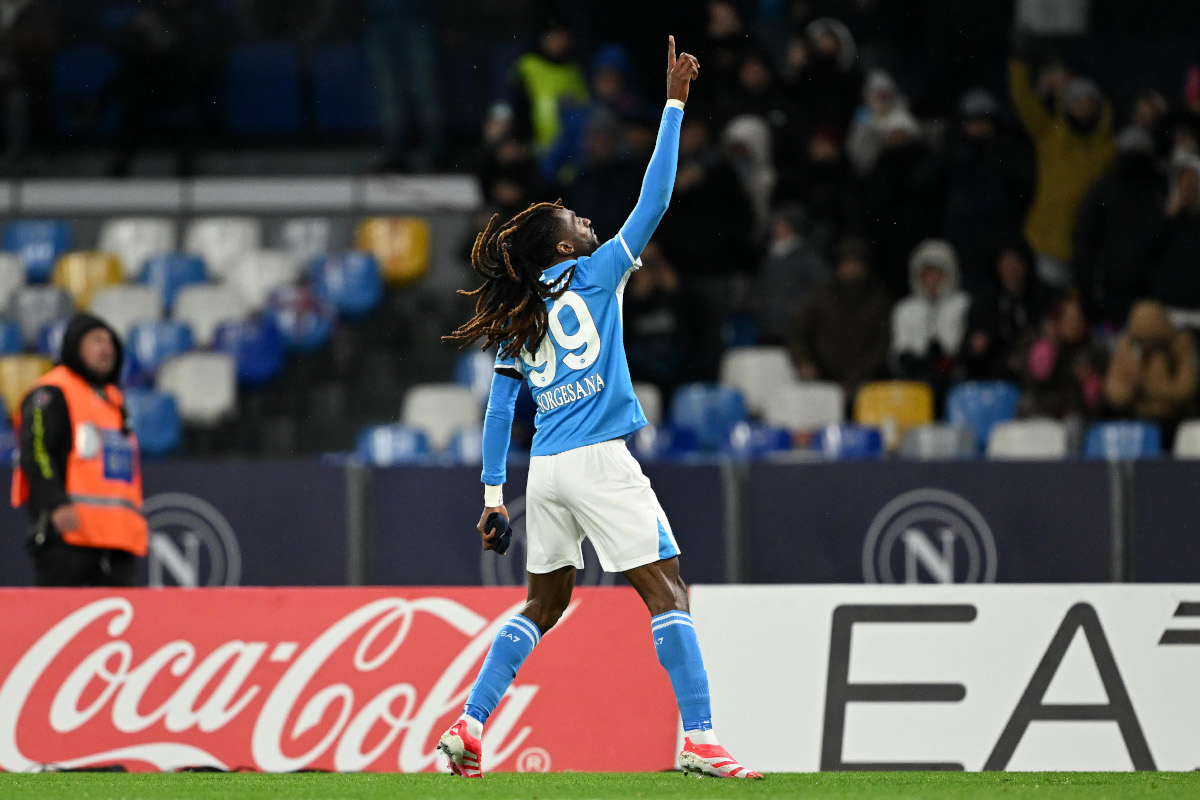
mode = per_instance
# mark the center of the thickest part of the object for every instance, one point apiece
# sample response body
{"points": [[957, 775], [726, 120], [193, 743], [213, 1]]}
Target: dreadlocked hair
{"points": [[510, 305]]}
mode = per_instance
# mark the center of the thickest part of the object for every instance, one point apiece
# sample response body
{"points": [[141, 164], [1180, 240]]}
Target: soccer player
{"points": [[551, 300]]}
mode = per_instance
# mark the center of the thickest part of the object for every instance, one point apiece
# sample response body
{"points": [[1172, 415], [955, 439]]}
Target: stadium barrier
{"points": [[305, 523], [349, 680], [1079, 677]]}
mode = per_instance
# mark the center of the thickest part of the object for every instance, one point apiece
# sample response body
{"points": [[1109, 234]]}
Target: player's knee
{"points": [[545, 614]]}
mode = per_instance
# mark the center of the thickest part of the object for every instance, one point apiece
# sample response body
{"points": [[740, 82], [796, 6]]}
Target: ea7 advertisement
{"points": [[1092, 677]]}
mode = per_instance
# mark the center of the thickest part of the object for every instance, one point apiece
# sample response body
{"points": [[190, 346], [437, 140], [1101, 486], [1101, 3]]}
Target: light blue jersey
{"points": [[579, 375]]}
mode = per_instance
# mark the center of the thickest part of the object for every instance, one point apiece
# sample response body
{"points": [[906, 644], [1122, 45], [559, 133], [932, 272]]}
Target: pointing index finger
{"points": [[670, 52]]}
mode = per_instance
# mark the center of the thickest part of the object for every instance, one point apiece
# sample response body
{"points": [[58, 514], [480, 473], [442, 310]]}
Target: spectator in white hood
{"points": [[928, 325], [866, 138]]}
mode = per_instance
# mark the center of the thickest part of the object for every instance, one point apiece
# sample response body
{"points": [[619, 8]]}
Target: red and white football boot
{"points": [[464, 751], [712, 760]]}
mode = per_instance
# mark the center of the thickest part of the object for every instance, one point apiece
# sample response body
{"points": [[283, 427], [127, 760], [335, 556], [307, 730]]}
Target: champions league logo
{"points": [[509, 569], [191, 544], [929, 536]]}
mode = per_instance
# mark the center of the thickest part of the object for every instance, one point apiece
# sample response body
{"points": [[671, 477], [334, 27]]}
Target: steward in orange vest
{"points": [[79, 475]]}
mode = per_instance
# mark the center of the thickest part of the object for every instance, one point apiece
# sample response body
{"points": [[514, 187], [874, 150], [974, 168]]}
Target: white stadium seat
{"points": [[122, 307], [1187, 439], [222, 241], [1029, 439], [134, 239], [204, 386], [204, 306], [306, 237], [938, 441], [260, 272], [806, 405], [35, 307], [758, 373], [440, 410], [12, 277], [651, 399]]}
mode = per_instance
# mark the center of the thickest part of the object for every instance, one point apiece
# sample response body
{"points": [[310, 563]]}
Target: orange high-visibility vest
{"points": [[104, 486]]}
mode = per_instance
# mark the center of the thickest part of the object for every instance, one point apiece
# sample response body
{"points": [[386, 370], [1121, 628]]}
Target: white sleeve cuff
{"points": [[493, 496], [675, 104]]}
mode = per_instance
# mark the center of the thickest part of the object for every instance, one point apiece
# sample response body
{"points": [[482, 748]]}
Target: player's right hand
{"points": [[681, 72], [490, 540]]}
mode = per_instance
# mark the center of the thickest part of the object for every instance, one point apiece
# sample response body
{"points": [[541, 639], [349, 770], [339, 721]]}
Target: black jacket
{"points": [[46, 429]]}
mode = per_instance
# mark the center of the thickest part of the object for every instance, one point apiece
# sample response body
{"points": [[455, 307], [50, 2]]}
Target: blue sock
{"points": [[678, 651], [512, 645]]}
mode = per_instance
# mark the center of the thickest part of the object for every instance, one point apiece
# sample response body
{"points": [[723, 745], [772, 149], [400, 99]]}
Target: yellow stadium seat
{"points": [[17, 375], [894, 407], [82, 273], [400, 244]]}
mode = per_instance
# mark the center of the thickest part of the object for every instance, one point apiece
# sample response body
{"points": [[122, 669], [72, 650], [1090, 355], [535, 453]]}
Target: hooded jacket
{"points": [[1153, 371], [921, 319]]}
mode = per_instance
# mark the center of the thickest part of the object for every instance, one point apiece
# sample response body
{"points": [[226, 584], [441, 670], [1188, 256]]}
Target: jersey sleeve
{"points": [[614, 259], [497, 425]]}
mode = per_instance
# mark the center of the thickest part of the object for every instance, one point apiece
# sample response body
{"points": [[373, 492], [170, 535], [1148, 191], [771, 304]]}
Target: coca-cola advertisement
{"points": [[336, 679]]}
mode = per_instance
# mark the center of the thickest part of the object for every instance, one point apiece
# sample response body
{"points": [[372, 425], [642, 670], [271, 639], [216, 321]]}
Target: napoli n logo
{"points": [[191, 543], [929, 536]]}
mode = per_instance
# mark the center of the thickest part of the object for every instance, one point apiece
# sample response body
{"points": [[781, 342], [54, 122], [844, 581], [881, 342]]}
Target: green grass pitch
{"points": [[580, 786]]}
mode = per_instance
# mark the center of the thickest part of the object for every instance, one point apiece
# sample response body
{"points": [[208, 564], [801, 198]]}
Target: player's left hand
{"points": [[490, 539]]}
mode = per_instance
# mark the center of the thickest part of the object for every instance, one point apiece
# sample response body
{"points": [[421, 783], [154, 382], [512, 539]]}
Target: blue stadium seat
{"points": [[1121, 439], [39, 243], [980, 405], [153, 342], [466, 447], [155, 419], [474, 369], [11, 339], [170, 272], [846, 442], [80, 75], [8, 445], [304, 320], [756, 440], [388, 445], [661, 442], [351, 281], [709, 410], [49, 338], [264, 90], [255, 346], [343, 90]]}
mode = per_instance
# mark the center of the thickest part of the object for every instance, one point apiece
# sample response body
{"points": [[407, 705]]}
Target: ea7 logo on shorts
{"points": [[929, 536]]}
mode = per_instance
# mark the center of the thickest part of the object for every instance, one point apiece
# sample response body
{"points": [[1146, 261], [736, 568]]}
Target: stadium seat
{"points": [[123, 306], [440, 410], [1040, 439], [49, 341], [135, 239], [18, 373], [1187, 439], [155, 419], [1123, 439], [846, 442], [304, 320], [981, 404], [651, 400], [343, 90], [255, 346], [221, 241], [82, 274], [12, 277], [80, 75], [204, 386], [264, 90], [170, 272], [11, 340], [660, 442], [150, 344], [806, 405], [466, 447], [38, 243], [205, 306], [260, 272], [305, 237], [401, 245], [758, 373], [709, 410], [35, 307], [474, 369], [894, 407], [938, 441], [389, 445], [755, 440], [351, 281]]}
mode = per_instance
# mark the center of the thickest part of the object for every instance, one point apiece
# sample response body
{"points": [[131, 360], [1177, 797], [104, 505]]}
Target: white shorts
{"points": [[597, 491]]}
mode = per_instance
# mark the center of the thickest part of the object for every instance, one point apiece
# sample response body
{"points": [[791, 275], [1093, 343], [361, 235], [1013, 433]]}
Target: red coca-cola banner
{"points": [[338, 679]]}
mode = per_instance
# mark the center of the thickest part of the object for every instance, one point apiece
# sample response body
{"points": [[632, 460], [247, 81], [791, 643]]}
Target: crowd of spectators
{"points": [[1044, 235]]}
